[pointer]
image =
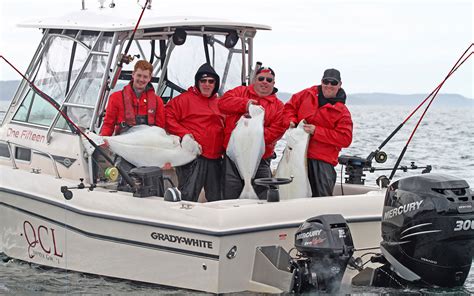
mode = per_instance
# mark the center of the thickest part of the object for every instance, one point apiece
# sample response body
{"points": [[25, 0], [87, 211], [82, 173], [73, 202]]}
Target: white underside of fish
{"points": [[294, 164], [144, 145], [246, 148]]}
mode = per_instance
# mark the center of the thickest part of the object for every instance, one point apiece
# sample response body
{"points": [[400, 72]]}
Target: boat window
{"points": [[85, 94], [23, 153], [4, 152], [36, 110], [187, 58]]}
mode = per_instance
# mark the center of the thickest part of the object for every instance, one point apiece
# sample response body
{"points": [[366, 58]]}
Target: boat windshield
{"points": [[69, 72]]}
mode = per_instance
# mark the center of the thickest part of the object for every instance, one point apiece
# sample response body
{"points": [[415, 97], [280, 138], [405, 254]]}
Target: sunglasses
{"points": [[328, 81], [210, 81], [261, 78]]}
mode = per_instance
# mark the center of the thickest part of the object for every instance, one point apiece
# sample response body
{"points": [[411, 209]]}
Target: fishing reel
{"points": [[127, 59], [379, 156]]}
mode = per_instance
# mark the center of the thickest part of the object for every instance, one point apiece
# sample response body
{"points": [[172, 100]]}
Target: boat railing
{"points": [[12, 157]]}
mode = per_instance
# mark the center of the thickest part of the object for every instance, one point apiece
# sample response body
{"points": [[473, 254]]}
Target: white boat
{"points": [[214, 247]]}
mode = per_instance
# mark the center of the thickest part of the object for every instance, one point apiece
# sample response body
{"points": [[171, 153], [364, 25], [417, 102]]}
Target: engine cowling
{"points": [[428, 229]]}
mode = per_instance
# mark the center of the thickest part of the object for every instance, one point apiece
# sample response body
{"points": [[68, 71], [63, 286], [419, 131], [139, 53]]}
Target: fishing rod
{"points": [[125, 57], [453, 69], [75, 128], [381, 156], [355, 166]]}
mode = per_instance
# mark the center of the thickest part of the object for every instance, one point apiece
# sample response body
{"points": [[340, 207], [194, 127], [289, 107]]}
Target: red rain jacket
{"points": [[192, 113], [233, 104], [149, 104], [333, 124]]}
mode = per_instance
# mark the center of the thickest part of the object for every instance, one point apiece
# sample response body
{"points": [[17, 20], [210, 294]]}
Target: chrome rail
{"points": [[12, 157]]}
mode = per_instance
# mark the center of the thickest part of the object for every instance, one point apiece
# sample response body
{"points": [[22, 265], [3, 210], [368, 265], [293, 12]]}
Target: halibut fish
{"points": [[294, 164], [144, 145], [247, 146]]}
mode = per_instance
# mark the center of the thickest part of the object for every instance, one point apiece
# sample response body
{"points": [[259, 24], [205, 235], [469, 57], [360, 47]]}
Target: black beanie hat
{"points": [[206, 70]]}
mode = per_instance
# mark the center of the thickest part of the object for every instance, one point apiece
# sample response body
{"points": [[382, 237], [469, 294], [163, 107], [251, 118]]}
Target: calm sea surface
{"points": [[445, 140]]}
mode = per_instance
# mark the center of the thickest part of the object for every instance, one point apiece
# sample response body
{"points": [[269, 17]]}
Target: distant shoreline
{"points": [[8, 88]]}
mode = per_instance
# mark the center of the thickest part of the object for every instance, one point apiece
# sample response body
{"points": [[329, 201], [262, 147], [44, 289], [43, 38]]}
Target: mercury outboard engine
{"points": [[427, 231], [325, 246]]}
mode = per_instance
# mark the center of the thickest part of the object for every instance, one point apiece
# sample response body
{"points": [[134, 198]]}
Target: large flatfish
{"points": [[294, 164], [144, 145], [247, 146]]}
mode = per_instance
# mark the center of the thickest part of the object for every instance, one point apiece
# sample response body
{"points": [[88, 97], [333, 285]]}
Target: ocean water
{"points": [[444, 140]]}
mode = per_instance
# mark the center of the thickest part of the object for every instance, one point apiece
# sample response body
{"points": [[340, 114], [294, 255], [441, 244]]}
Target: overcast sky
{"points": [[379, 46]]}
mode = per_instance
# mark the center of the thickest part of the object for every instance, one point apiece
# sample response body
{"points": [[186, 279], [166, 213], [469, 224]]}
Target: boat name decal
{"points": [[41, 242], [402, 209], [309, 234], [25, 134], [182, 240]]}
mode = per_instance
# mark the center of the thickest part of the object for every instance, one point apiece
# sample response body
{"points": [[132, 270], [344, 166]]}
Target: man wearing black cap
{"points": [[329, 123], [195, 113], [235, 103]]}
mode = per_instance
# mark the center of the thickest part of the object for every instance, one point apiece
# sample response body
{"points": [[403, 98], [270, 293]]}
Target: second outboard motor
{"points": [[325, 246], [427, 231]]}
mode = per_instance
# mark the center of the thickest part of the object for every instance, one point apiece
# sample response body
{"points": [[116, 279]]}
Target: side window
{"points": [[22, 153], [4, 152]]}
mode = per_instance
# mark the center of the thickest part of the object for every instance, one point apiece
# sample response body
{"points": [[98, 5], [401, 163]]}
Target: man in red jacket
{"points": [[329, 123], [136, 104], [195, 113], [234, 104]]}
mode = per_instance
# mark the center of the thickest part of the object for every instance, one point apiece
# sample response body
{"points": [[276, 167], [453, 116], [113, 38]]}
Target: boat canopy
{"points": [[107, 22], [77, 60]]}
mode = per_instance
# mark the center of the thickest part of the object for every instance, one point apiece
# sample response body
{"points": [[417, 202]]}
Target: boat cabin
{"points": [[77, 64]]}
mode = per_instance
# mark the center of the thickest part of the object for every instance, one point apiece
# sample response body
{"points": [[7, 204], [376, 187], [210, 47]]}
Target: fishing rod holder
{"points": [[67, 193], [356, 166], [404, 168]]}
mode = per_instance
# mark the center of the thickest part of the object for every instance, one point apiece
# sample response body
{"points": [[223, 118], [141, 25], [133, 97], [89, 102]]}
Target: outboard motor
{"points": [[325, 246], [427, 231]]}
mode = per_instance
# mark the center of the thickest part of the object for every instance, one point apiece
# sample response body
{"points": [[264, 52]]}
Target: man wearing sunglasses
{"points": [[235, 103], [329, 123], [195, 113]]}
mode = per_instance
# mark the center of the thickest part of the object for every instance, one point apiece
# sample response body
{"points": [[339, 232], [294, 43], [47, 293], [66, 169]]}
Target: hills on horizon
{"points": [[8, 88]]}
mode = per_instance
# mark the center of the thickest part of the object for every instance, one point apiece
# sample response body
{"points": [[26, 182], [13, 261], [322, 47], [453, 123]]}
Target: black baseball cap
{"points": [[332, 74]]}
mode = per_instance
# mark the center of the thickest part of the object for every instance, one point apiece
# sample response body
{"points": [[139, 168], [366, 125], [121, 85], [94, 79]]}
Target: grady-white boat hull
{"points": [[200, 246]]}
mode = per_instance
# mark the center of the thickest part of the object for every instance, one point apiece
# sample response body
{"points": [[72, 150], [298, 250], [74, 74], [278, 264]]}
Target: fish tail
{"points": [[248, 192]]}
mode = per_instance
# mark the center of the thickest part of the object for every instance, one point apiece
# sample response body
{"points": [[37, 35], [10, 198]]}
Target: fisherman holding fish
{"points": [[329, 123], [195, 113], [235, 104], [135, 104]]}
